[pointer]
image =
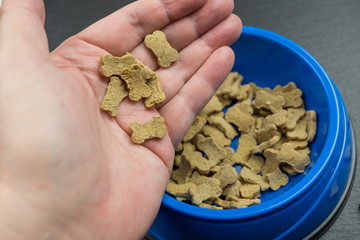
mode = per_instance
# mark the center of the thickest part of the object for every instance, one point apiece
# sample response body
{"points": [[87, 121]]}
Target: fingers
{"points": [[181, 33], [193, 56], [123, 30], [180, 111], [22, 25], [189, 96], [33, 6], [197, 59], [187, 29]]}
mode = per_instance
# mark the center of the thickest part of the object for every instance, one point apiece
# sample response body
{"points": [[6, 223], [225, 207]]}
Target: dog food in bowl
{"points": [[272, 130], [305, 206]]}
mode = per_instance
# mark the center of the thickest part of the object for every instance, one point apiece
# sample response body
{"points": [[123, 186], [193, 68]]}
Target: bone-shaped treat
{"points": [[155, 128], [115, 93], [159, 45]]}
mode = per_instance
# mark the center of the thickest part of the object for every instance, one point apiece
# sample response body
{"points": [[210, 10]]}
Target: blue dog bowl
{"points": [[312, 200]]}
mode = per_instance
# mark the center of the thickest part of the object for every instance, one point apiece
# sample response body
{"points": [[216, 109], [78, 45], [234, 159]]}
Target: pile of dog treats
{"points": [[131, 78], [273, 130]]}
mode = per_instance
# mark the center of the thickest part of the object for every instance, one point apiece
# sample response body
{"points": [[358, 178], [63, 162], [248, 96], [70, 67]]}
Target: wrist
{"points": [[23, 218]]}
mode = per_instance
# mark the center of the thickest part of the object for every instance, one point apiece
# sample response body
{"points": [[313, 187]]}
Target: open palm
{"points": [[68, 163]]}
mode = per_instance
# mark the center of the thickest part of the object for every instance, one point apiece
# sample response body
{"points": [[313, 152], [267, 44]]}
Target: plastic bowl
{"points": [[311, 201]]}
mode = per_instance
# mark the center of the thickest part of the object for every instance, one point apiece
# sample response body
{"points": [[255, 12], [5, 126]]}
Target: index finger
{"points": [[123, 30]]}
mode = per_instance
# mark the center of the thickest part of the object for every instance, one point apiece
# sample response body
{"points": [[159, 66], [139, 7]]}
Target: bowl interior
{"points": [[268, 59], [268, 63]]}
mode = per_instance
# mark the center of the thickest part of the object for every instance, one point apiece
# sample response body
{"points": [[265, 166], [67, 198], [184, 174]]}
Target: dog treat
{"points": [[299, 132], [266, 133], [214, 153], [271, 163], [115, 93], [223, 100], [218, 136], [229, 157], [179, 148], [242, 120], [277, 179], [269, 101], [158, 44], [283, 139], [262, 112], [188, 148], [232, 189], [256, 88], [264, 145], [234, 202], [249, 190], [223, 125], [259, 122], [196, 126], [226, 175], [244, 92], [245, 106], [200, 163], [182, 199], [298, 144], [114, 66], [279, 119], [195, 178], [288, 169], [231, 86], [291, 94], [197, 138], [287, 154], [199, 179], [247, 202], [305, 150], [155, 128], [183, 173], [177, 160], [266, 137], [310, 117], [205, 205], [252, 177], [255, 163], [203, 192], [179, 190], [157, 95], [214, 105], [251, 131], [274, 131], [135, 82], [293, 116], [217, 114], [246, 143], [141, 82]]}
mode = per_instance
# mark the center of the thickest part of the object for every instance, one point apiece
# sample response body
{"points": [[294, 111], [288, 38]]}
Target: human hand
{"points": [[67, 169]]}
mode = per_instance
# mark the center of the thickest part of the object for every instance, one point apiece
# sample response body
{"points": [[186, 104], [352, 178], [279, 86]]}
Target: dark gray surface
{"points": [[328, 29]]}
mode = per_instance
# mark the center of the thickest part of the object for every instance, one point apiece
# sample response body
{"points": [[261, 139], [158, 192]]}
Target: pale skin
{"points": [[68, 170]]}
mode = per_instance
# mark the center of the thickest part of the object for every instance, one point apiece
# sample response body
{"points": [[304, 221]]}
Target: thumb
{"points": [[22, 26]]}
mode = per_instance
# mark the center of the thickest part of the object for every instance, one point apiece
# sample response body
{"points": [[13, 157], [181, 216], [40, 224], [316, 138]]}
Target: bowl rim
{"points": [[304, 185]]}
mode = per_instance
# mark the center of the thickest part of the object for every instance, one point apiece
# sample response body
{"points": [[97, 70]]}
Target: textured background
{"points": [[328, 29]]}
